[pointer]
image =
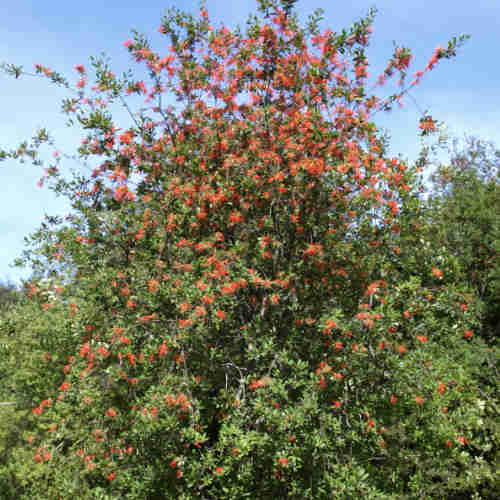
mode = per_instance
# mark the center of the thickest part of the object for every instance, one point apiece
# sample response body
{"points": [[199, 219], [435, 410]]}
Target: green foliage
{"points": [[465, 220], [8, 296]]}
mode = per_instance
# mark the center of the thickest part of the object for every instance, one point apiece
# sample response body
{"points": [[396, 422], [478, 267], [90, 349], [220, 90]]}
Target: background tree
{"points": [[8, 295], [465, 213]]}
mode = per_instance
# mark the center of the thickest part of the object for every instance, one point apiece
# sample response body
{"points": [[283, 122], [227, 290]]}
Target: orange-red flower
{"points": [[162, 349], [153, 286], [200, 311], [208, 299], [236, 217], [437, 272], [428, 123], [263, 382], [313, 250]]}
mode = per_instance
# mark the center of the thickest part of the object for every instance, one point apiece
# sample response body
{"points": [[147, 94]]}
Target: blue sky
{"points": [[464, 92]]}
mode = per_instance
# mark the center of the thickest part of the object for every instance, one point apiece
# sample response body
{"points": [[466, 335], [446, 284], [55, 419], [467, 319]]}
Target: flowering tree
{"points": [[236, 323]]}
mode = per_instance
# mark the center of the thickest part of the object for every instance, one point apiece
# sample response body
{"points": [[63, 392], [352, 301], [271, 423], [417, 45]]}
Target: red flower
{"points": [[313, 250], [111, 413], [185, 322], [368, 323], [437, 272], [236, 217], [428, 123], [200, 311], [145, 319], [231, 288], [263, 382], [85, 350], [208, 299], [102, 351], [162, 350], [419, 400]]}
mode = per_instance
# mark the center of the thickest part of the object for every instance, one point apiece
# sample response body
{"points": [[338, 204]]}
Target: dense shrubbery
{"points": [[465, 209], [272, 311]]}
